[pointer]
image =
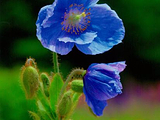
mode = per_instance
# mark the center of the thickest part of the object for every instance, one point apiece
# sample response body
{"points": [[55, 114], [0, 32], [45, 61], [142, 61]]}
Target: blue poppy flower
{"points": [[102, 82], [93, 28]]}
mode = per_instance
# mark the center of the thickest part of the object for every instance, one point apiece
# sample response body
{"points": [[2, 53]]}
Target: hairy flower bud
{"points": [[30, 80], [65, 105], [77, 86], [46, 83]]}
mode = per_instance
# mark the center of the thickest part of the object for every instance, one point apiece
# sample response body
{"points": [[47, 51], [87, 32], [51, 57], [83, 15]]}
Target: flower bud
{"points": [[65, 105], [30, 62], [46, 83], [30, 80], [77, 86]]}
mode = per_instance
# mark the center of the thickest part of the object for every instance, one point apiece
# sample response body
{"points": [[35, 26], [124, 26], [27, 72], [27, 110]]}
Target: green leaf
{"points": [[34, 115], [55, 90], [42, 111], [44, 100]]}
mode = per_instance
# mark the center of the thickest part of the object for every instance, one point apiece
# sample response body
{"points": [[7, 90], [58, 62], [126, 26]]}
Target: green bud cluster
{"points": [[55, 98]]}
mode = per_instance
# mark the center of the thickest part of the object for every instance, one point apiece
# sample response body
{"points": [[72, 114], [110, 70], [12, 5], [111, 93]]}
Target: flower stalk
{"points": [[69, 78], [55, 63]]}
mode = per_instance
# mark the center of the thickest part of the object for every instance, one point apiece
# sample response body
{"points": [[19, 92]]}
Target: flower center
{"points": [[76, 19]]}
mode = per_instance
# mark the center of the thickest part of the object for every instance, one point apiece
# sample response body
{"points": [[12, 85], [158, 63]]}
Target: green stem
{"points": [[55, 62], [69, 78]]}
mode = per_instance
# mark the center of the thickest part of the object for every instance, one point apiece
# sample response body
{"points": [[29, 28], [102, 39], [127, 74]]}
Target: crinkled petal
{"points": [[97, 106], [119, 66], [106, 75], [60, 47], [43, 13], [49, 40], [41, 16], [48, 37], [57, 46], [50, 16], [49, 29], [102, 90], [45, 27], [84, 38], [104, 69], [111, 69], [101, 66], [109, 28]]}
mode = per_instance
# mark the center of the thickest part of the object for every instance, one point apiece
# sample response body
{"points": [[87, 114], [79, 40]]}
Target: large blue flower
{"points": [[93, 28], [102, 82]]}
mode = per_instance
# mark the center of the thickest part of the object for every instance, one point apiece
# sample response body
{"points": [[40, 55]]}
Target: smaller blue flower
{"points": [[102, 82]]}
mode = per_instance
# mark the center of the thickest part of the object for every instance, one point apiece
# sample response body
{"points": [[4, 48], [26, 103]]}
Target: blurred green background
{"points": [[140, 48]]}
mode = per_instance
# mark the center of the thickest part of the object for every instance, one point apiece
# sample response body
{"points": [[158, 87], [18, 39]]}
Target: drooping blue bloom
{"points": [[93, 28], [102, 82]]}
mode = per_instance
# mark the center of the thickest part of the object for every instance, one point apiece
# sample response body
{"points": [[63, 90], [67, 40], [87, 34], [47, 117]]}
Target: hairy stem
{"points": [[69, 78], [55, 62]]}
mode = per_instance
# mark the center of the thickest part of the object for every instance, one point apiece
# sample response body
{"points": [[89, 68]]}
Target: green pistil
{"points": [[76, 18]]}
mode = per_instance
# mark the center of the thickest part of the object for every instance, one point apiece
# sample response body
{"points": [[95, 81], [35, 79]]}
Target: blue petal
{"points": [[48, 37], [49, 40], [43, 13], [119, 66], [109, 27], [48, 16], [62, 48], [102, 75], [111, 69], [105, 69], [67, 3], [49, 29], [84, 38], [97, 106], [41, 16], [47, 20], [102, 88]]}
